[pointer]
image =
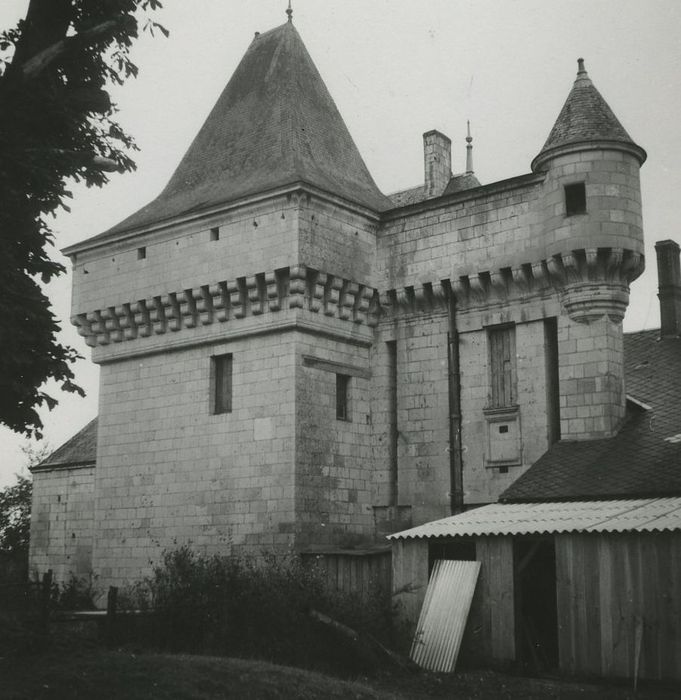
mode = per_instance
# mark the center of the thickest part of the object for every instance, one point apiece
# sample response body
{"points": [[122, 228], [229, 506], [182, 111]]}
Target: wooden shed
{"points": [[589, 588]]}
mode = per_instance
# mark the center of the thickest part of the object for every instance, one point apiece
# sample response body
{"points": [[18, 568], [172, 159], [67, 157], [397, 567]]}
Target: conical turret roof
{"points": [[585, 120], [274, 124]]}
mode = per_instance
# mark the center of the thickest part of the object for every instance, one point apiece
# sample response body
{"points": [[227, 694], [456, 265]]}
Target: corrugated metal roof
{"points": [[444, 613], [631, 515]]}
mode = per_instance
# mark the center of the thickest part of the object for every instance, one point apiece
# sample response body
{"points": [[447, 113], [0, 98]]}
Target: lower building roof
{"points": [[643, 459], [631, 515], [79, 451]]}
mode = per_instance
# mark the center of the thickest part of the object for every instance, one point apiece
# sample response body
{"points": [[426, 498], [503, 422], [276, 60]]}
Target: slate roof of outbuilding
{"points": [[643, 459], [585, 117], [275, 124], [80, 450]]}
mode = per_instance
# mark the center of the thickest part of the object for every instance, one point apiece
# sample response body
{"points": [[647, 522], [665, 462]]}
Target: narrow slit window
{"points": [[141, 253], [342, 397], [222, 383], [575, 199]]}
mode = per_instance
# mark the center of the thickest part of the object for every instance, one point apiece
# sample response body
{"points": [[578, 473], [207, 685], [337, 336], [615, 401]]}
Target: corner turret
{"points": [[591, 205], [591, 232]]}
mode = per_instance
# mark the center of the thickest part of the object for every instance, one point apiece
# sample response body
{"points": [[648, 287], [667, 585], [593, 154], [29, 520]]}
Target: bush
{"points": [[77, 593], [256, 608]]}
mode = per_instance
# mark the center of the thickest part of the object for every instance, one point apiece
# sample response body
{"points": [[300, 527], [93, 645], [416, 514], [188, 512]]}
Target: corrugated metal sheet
{"points": [[631, 515], [444, 614]]}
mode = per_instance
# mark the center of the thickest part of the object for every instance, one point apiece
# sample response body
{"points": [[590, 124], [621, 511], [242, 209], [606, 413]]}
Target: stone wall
{"points": [[62, 522], [255, 238], [613, 202], [169, 472], [337, 239], [462, 234], [423, 416], [483, 480], [592, 401], [334, 468]]}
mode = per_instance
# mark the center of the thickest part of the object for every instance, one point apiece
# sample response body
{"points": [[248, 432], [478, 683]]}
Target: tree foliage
{"points": [[15, 515], [57, 127], [15, 504]]}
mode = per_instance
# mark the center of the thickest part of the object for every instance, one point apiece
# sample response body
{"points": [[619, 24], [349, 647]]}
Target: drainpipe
{"points": [[455, 451]]}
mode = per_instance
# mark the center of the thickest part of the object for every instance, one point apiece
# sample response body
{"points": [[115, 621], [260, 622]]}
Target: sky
{"points": [[396, 69]]}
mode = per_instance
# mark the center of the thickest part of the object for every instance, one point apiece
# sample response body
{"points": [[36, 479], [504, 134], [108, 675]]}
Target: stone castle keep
{"points": [[291, 359]]}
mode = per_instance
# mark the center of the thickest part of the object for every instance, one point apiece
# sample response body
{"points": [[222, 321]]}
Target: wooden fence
{"points": [[31, 599], [364, 572]]}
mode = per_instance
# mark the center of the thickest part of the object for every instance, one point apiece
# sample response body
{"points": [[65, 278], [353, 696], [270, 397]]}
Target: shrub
{"points": [[256, 608], [77, 593]]}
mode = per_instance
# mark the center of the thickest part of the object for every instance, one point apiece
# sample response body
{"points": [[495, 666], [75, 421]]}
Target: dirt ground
{"points": [[136, 676]]}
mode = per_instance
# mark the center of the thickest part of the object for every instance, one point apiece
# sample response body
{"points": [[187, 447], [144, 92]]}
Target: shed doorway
{"points": [[536, 611]]}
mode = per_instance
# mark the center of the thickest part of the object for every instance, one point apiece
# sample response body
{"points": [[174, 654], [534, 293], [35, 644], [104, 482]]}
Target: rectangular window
{"points": [[222, 383], [502, 366], [342, 397], [215, 234], [141, 253], [575, 199]]}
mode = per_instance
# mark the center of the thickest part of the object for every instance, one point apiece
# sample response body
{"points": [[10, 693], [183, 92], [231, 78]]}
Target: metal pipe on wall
{"points": [[455, 448]]}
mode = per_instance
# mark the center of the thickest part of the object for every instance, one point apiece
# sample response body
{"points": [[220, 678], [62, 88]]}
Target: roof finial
{"points": [[580, 67], [469, 150], [289, 12]]}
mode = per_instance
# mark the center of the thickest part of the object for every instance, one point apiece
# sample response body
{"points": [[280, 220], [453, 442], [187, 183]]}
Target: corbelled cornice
{"points": [[229, 301], [591, 282]]}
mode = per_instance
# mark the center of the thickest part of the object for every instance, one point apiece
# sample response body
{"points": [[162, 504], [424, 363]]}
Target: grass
{"points": [[103, 674]]}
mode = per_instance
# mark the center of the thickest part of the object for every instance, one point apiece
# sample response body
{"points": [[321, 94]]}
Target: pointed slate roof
{"points": [[274, 124], [585, 118]]}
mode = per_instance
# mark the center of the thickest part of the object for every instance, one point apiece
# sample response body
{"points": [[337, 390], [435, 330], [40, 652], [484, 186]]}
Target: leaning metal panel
{"points": [[444, 613]]}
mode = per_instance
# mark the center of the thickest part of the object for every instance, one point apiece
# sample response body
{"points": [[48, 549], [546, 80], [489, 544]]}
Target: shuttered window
{"points": [[502, 366]]}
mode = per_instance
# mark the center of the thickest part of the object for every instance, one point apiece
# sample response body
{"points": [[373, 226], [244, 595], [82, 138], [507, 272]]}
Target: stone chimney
{"points": [[669, 281], [437, 160]]}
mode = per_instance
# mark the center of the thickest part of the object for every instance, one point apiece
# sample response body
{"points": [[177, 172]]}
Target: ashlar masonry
{"points": [[291, 359]]}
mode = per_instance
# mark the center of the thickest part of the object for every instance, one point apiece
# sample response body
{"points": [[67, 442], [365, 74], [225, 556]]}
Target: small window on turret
{"points": [[575, 199]]}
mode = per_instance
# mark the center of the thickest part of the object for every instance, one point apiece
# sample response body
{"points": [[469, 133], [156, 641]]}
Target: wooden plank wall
{"points": [[409, 579], [490, 632], [607, 586], [493, 610], [362, 574]]}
